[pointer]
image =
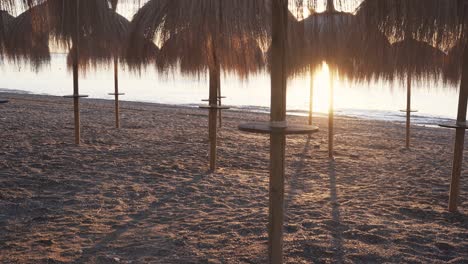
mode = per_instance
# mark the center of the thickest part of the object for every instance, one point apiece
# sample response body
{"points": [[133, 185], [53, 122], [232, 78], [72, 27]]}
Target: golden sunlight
{"points": [[300, 88], [321, 86]]}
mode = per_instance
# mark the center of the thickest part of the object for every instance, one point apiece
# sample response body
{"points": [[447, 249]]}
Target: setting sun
{"points": [[233, 131]]}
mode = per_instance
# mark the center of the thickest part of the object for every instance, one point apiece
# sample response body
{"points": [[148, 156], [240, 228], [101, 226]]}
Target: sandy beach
{"points": [[142, 194]]}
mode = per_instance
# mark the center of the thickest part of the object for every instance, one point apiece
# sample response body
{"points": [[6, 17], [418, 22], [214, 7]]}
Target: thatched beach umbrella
{"points": [[211, 36], [457, 68], [435, 22], [439, 23], [5, 21], [66, 22], [328, 37], [27, 40], [14, 5], [416, 60], [93, 55], [339, 39], [277, 128]]}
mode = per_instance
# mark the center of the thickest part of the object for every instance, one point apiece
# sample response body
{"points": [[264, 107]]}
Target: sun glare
{"points": [[299, 94], [321, 86]]}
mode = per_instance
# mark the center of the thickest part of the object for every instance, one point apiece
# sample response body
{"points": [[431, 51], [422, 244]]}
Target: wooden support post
{"points": [[220, 103], [311, 96], [116, 92], [408, 110], [331, 115], [460, 135], [456, 169], [213, 101], [330, 6], [76, 92], [277, 140]]}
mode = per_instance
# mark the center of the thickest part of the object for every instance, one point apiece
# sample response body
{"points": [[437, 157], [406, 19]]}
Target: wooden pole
{"points": [[277, 140], [311, 97], [331, 116], [213, 102], [219, 103], [76, 92], [408, 110], [330, 6], [116, 92], [460, 136]]}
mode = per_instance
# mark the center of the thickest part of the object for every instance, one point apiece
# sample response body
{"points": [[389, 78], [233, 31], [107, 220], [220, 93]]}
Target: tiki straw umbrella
{"points": [[74, 21], [435, 22], [5, 21], [277, 128], [339, 39], [439, 23], [27, 40], [94, 55], [461, 124], [327, 38], [351, 49], [66, 22], [173, 53], [456, 68], [199, 36], [416, 59], [14, 5]]}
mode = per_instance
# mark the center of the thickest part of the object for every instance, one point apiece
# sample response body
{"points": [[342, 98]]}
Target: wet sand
{"points": [[142, 194]]}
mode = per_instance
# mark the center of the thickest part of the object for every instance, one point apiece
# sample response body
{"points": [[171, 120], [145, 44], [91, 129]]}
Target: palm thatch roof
{"points": [[26, 41], [5, 21], [419, 59], [239, 54], [93, 49], [328, 37], [13, 5], [420, 30], [59, 18], [101, 30], [453, 67], [436, 22], [198, 34], [295, 44], [338, 39]]}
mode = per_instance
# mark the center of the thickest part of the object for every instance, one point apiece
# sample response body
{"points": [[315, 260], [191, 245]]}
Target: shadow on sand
{"points": [[337, 233], [137, 218], [336, 252]]}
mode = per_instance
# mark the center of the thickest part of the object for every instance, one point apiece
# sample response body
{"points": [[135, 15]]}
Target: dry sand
{"points": [[141, 194]]}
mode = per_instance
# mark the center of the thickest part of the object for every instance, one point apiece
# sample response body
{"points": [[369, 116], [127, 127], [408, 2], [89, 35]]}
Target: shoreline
{"points": [[142, 193], [377, 115]]}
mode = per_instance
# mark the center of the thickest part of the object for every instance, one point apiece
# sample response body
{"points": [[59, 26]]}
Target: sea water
{"points": [[436, 102]]}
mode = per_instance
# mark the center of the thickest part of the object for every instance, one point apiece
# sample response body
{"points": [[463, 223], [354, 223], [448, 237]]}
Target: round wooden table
{"points": [[266, 128]]}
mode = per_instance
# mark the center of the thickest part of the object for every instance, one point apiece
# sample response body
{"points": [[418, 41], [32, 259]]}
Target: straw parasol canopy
{"points": [[12, 5], [211, 36], [26, 41], [436, 22], [55, 20], [238, 54], [220, 31], [58, 19], [418, 59], [328, 35], [350, 48], [5, 21], [93, 48], [66, 23], [453, 66]]}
